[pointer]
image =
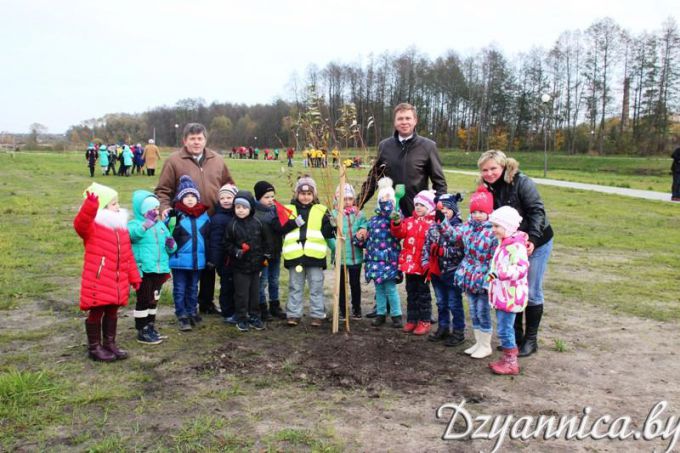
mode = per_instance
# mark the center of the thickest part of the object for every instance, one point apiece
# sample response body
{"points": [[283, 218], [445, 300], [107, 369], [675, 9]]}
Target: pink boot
{"points": [[508, 364]]}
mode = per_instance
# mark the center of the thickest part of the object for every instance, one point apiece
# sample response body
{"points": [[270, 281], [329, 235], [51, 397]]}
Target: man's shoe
{"points": [[146, 336], [422, 328], [441, 334], [184, 325], [242, 326], [410, 326], [231, 320]]}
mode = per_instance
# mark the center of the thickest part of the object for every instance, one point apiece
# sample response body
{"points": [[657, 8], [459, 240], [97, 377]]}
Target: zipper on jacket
{"points": [[101, 265]]}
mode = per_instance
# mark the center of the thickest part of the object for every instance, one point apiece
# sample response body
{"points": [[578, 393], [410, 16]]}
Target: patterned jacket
{"points": [[509, 290], [448, 254], [479, 244], [413, 231], [382, 248]]}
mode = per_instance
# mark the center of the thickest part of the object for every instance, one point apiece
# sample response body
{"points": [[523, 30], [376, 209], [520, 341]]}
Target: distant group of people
{"points": [[248, 152], [131, 159], [198, 222]]}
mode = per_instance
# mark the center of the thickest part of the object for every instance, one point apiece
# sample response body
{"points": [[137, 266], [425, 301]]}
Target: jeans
{"points": [[506, 329], [227, 306], [418, 299], [270, 277], [449, 303], [386, 292], [185, 292], [296, 290], [480, 311], [538, 263]]}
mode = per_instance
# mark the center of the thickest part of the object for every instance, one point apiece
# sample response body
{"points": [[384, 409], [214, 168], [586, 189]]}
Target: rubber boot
{"points": [[275, 309], [110, 325], [484, 348], [530, 345], [95, 350], [508, 364], [474, 347]]}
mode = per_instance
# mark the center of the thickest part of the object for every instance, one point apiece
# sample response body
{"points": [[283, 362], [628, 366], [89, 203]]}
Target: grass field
{"points": [[614, 254]]}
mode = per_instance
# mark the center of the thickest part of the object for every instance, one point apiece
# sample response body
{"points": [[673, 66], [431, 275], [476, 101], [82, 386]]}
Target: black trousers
{"points": [[418, 299], [354, 272], [247, 295], [206, 290], [148, 295], [150, 171], [227, 293], [675, 191]]}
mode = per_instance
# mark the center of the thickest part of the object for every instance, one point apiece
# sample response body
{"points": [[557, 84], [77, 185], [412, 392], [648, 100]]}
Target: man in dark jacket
{"points": [[408, 159], [675, 170]]}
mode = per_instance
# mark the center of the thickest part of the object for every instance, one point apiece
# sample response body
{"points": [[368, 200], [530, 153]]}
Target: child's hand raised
{"points": [[92, 197]]}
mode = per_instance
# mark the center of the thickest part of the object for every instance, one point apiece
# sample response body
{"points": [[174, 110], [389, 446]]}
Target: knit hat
{"points": [[426, 198], [385, 189], [244, 198], [105, 193], [186, 186], [507, 217], [348, 192], [149, 203], [307, 184], [450, 201], [151, 141], [227, 188], [481, 200], [261, 188]]}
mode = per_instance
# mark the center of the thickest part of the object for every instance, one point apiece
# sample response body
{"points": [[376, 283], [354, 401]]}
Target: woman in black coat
{"points": [[675, 171], [510, 187]]}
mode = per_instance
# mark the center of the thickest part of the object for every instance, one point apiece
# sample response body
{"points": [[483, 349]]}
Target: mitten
{"points": [[170, 243], [92, 197], [245, 247], [396, 218], [151, 216], [299, 221]]}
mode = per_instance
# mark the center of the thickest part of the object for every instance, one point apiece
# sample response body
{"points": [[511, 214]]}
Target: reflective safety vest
{"points": [[315, 244]]}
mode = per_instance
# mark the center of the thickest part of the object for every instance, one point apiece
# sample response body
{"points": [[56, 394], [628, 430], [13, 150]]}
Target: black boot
{"points": [[275, 309], [264, 313], [534, 314], [440, 334], [378, 321], [456, 338], [373, 313]]}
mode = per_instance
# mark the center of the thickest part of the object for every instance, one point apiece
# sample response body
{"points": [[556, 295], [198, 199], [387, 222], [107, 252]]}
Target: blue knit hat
{"points": [[187, 186], [450, 201]]}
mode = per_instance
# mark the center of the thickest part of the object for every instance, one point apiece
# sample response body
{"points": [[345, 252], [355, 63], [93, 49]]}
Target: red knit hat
{"points": [[481, 200]]}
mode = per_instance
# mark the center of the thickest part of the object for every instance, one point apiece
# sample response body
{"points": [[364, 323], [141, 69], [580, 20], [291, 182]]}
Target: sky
{"points": [[63, 62]]}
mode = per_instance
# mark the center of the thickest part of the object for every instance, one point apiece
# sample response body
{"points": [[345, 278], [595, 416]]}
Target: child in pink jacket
{"points": [[508, 284]]}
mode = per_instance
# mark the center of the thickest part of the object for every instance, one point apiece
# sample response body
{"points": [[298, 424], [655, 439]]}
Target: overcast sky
{"points": [[62, 62]]}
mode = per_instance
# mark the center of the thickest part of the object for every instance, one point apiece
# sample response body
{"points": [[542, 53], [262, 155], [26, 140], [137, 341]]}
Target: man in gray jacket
{"points": [[408, 159]]}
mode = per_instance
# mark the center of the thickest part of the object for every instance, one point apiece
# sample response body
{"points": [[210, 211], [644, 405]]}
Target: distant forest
{"points": [[601, 90]]}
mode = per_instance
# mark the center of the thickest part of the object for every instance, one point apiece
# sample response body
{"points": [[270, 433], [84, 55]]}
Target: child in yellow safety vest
{"points": [[305, 251]]}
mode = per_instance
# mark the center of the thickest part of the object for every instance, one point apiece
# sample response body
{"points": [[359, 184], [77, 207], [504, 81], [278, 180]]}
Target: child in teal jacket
{"points": [[152, 243], [353, 224]]}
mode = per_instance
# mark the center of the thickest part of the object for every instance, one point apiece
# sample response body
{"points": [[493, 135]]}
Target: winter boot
{"points": [[484, 348], [275, 309], [508, 364], [456, 338], [474, 347], [94, 343], [378, 321], [264, 313], [441, 334], [423, 328], [530, 345], [410, 326], [397, 322], [110, 324]]}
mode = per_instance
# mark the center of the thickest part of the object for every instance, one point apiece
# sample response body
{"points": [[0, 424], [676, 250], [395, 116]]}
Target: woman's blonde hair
{"points": [[499, 156]]}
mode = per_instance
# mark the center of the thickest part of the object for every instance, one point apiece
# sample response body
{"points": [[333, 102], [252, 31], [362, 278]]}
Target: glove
{"points": [[136, 285], [439, 216], [170, 243], [395, 217], [299, 221], [245, 247]]}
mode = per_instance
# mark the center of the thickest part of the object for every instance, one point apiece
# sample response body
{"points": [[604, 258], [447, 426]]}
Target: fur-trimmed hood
{"points": [[509, 173]]}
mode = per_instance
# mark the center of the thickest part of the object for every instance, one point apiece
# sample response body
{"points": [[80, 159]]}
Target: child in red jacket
{"points": [[109, 269], [413, 231]]}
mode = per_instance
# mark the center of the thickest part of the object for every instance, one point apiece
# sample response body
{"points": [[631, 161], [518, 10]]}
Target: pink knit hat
{"points": [[426, 198], [507, 217]]}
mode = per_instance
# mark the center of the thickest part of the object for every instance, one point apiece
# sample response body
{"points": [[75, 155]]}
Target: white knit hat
{"points": [[385, 189], [348, 192], [426, 198], [507, 217]]}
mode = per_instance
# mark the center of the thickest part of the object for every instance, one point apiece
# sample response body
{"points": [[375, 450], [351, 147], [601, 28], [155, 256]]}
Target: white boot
{"points": [[484, 348], [474, 347]]}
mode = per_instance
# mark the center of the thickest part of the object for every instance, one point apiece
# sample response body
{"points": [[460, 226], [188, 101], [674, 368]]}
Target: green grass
{"points": [[614, 252]]}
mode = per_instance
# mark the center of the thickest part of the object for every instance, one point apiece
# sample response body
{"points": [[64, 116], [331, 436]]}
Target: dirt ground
{"points": [[376, 389]]}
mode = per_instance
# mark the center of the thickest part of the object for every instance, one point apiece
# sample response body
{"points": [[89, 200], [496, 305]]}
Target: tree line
{"points": [[600, 89]]}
